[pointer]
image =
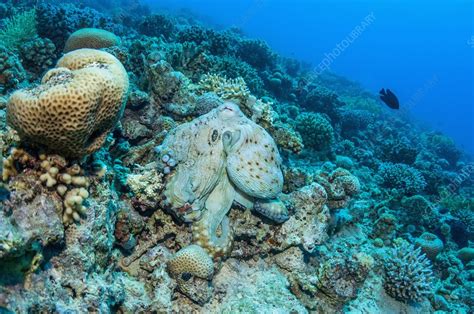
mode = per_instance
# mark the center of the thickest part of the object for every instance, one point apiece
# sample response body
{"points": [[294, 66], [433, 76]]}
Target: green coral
{"points": [[19, 29], [316, 131]]}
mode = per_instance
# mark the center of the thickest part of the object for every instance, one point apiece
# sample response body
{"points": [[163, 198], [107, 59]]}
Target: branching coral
{"points": [[322, 100], [57, 22], [76, 106], [214, 42], [38, 55], [54, 172], [157, 25], [233, 68], [227, 89], [402, 177], [256, 53], [408, 273], [12, 73]]}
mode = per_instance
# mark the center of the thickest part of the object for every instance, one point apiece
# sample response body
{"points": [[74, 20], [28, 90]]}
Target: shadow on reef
{"points": [[151, 163]]}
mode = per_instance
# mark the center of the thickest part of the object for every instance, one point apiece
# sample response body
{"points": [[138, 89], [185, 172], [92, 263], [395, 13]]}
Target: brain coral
{"points": [[77, 104], [91, 38], [408, 273]]}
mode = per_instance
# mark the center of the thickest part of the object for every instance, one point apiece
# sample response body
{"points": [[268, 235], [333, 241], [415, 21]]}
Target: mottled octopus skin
{"points": [[221, 157]]}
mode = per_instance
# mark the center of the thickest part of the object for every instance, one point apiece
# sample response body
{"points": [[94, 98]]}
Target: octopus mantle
{"points": [[214, 160]]}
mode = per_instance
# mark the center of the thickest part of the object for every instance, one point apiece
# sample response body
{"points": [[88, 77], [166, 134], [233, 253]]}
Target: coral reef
{"points": [[340, 185], [430, 245], [157, 25], [38, 55], [179, 168], [18, 29]]}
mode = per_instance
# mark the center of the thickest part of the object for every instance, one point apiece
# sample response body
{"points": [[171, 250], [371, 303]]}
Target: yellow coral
{"points": [[192, 259], [91, 38], [77, 104], [146, 185], [53, 171], [73, 205]]}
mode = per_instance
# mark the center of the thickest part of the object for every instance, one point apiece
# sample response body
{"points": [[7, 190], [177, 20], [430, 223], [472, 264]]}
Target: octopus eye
{"points": [[227, 137], [214, 136]]}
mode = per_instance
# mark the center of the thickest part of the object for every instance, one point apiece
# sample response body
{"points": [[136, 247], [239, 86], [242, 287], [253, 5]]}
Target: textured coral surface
{"points": [[230, 180], [77, 104]]}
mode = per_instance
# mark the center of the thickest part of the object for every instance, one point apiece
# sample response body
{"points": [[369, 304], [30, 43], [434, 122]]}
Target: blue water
{"points": [[422, 50]]}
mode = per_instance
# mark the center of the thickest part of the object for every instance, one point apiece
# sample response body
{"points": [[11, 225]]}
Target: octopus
{"points": [[213, 161]]}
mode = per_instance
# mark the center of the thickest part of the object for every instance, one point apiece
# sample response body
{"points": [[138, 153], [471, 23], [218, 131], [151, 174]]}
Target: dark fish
{"points": [[389, 98]]}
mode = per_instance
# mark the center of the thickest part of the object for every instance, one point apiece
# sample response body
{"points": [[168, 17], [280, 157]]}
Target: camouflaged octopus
{"points": [[214, 160]]}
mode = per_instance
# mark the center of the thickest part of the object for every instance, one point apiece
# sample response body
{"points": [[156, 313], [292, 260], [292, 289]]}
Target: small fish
{"points": [[389, 98]]}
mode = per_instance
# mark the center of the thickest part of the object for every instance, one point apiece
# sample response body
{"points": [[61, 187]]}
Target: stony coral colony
{"points": [[153, 163]]}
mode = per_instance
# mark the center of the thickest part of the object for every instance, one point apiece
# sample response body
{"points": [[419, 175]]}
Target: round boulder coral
{"points": [[77, 104], [193, 268], [193, 260], [94, 38], [430, 244], [316, 131]]}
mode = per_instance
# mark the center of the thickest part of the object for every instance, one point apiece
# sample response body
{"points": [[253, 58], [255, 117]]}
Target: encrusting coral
{"points": [[340, 185], [77, 104]]}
